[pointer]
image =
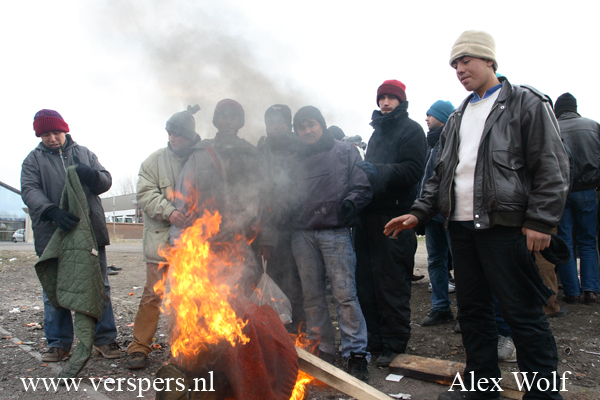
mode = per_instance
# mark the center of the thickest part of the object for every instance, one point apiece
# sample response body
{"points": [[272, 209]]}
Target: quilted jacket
{"points": [[69, 271]]}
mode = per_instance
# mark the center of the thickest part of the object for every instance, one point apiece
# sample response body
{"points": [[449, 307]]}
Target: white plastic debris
{"points": [[113, 365], [401, 396], [394, 378], [36, 308], [12, 259], [14, 311]]}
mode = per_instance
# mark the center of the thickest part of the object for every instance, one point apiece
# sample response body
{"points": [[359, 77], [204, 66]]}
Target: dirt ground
{"points": [[577, 336]]}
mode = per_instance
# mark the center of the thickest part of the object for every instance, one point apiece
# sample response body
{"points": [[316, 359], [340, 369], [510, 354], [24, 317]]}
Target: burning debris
{"points": [[217, 334]]}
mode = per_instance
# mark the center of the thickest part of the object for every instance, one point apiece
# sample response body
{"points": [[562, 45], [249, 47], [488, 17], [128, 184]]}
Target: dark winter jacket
{"points": [[582, 136], [42, 182], [397, 149], [433, 146], [275, 150], [226, 174], [324, 175], [522, 168]]}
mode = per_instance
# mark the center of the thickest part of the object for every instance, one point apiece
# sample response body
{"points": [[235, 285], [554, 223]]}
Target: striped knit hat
{"points": [[48, 121]]}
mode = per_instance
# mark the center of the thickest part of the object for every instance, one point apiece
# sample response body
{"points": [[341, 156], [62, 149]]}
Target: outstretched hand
{"points": [[398, 224]]}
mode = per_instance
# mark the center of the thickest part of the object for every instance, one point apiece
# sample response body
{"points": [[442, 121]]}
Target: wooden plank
{"points": [[444, 372], [336, 378]]}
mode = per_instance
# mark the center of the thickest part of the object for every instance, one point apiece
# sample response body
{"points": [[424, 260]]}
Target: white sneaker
{"points": [[430, 288], [506, 349]]}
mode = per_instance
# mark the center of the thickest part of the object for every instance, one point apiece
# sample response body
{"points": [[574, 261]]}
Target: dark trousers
{"points": [[483, 269], [384, 280], [282, 268]]}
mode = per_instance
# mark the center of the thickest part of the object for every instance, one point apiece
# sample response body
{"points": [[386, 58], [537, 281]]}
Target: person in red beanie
{"points": [[394, 163], [42, 181]]}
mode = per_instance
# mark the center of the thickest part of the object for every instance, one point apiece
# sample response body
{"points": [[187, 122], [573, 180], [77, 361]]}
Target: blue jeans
{"points": [[437, 241], [330, 251], [579, 220], [58, 324]]}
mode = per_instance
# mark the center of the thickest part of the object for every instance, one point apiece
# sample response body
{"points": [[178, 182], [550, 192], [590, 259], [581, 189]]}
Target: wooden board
{"points": [[336, 378], [444, 372]]}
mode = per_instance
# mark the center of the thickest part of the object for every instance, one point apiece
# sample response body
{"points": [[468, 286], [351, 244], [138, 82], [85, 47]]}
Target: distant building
{"points": [[121, 208], [13, 213]]}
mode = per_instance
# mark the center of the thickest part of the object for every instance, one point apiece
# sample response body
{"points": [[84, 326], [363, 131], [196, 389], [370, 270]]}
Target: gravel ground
{"points": [[577, 336]]}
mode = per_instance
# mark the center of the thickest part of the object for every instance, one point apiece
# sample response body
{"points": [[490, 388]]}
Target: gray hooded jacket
{"points": [[42, 181]]}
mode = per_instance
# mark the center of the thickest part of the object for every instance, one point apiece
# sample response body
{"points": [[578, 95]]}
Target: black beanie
{"points": [[306, 113], [336, 132], [280, 109], [565, 102]]}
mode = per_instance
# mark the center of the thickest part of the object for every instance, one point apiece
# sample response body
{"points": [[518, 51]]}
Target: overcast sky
{"points": [[117, 70]]}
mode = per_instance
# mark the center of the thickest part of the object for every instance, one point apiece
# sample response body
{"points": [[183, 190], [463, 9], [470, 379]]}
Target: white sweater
{"points": [[471, 129]]}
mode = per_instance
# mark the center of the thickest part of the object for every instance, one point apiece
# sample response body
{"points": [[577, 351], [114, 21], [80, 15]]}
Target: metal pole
{"points": [[114, 218]]}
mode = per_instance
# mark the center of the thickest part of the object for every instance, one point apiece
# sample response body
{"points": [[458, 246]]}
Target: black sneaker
{"points": [[357, 366], [436, 318], [115, 267], [386, 358], [111, 271]]}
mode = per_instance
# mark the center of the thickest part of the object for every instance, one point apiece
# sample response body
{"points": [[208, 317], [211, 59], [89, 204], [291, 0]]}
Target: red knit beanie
{"points": [[48, 121], [394, 88]]}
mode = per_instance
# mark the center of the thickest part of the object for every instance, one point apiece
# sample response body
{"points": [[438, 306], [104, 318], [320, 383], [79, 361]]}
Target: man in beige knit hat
{"points": [[500, 203]]}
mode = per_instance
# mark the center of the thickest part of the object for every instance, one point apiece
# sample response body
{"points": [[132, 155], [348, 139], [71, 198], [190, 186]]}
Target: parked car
{"points": [[19, 235]]}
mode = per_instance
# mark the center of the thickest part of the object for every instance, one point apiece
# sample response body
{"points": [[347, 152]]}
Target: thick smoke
{"points": [[196, 52]]}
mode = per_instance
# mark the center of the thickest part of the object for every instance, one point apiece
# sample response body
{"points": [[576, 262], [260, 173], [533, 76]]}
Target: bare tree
{"points": [[125, 185]]}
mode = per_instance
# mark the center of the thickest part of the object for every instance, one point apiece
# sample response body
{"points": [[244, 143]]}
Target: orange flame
{"points": [[300, 387], [303, 378], [198, 298]]}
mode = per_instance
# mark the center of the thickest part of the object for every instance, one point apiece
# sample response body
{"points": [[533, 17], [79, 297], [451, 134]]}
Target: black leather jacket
{"points": [[582, 135], [522, 168]]}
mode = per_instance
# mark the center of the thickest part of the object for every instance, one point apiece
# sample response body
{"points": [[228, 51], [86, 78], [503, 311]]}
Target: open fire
{"points": [[204, 277], [199, 292]]}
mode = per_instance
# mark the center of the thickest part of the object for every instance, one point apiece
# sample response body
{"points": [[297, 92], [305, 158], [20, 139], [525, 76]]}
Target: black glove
{"points": [[348, 212], [64, 219], [369, 169], [86, 174]]}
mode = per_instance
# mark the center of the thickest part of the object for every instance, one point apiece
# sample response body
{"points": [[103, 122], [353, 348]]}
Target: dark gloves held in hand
{"points": [[63, 219], [348, 212], [86, 174], [369, 169]]}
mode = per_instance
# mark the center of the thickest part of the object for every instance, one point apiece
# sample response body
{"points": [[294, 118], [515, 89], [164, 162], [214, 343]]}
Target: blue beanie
{"points": [[441, 110]]}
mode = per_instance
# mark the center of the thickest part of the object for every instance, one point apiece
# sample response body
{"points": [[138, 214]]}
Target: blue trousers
{"points": [[437, 241], [579, 219], [330, 251]]}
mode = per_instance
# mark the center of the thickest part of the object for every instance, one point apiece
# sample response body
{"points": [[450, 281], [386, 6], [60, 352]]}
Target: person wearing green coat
{"points": [[155, 196]]}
